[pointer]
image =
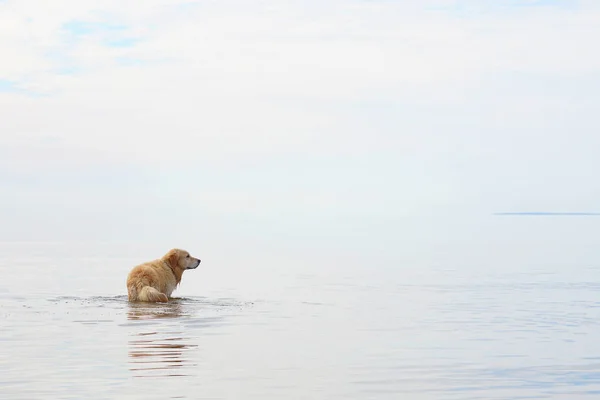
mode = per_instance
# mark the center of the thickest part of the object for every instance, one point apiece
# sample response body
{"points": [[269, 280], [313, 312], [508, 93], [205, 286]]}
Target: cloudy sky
{"points": [[167, 119]]}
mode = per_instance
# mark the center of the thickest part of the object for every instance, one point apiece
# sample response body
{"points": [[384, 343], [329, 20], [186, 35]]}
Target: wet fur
{"points": [[154, 281]]}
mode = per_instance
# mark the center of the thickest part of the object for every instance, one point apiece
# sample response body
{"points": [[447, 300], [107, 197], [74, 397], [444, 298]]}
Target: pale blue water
{"points": [[510, 316]]}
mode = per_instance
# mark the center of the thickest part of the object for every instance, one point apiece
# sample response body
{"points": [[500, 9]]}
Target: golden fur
{"points": [[155, 280]]}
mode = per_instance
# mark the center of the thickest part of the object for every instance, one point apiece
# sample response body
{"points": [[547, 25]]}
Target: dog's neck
{"points": [[177, 272]]}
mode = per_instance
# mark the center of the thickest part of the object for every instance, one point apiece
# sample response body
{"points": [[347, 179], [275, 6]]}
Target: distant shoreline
{"points": [[548, 213]]}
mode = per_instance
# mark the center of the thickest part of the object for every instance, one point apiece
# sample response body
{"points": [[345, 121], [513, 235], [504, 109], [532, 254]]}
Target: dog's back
{"points": [[146, 281]]}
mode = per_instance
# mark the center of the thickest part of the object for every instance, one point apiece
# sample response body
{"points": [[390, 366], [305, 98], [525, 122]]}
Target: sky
{"points": [[196, 120]]}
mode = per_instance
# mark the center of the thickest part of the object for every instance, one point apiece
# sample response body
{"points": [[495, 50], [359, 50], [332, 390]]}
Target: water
{"points": [[441, 323]]}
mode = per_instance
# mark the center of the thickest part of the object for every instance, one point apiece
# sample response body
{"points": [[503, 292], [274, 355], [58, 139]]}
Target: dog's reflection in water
{"points": [[158, 352]]}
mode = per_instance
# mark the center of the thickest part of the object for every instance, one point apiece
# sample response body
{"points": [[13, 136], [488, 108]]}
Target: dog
{"points": [[154, 281]]}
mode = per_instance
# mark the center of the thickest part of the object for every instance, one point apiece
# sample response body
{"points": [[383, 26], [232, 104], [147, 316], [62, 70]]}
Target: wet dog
{"points": [[154, 281]]}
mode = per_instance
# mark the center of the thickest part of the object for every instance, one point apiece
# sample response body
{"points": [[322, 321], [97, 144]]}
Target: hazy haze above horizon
{"points": [[169, 120]]}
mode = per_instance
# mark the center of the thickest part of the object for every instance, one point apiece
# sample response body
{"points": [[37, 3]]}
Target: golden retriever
{"points": [[155, 280]]}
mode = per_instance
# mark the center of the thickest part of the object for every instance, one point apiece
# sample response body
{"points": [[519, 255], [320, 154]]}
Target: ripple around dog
{"points": [[203, 309], [223, 302]]}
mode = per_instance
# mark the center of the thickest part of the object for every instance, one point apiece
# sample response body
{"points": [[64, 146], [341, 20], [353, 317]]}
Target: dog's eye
{"points": [[188, 256]]}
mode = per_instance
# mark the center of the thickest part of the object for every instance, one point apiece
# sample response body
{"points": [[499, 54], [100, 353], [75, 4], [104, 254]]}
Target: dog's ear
{"points": [[172, 258]]}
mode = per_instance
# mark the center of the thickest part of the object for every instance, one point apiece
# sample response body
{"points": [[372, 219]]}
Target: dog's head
{"points": [[180, 259]]}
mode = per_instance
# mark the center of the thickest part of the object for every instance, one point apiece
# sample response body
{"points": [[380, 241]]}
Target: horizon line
{"points": [[544, 213]]}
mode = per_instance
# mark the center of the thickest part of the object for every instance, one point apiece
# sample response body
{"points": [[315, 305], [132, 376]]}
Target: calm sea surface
{"points": [[505, 320]]}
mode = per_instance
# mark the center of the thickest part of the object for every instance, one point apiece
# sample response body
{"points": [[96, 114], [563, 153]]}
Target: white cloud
{"points": [[447, 102]]}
